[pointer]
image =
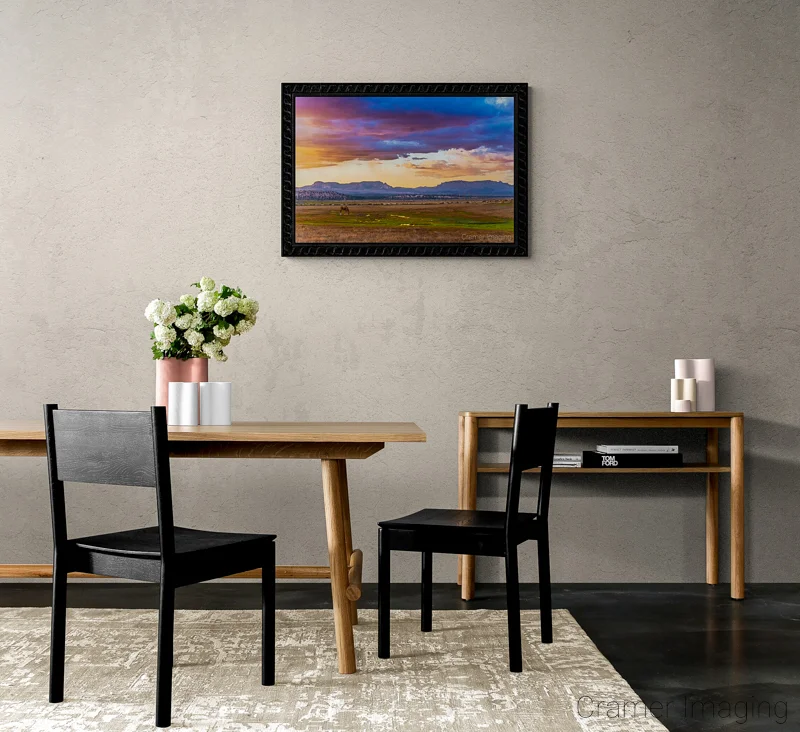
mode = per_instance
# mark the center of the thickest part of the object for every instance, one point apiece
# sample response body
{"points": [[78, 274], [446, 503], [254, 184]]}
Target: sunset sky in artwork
{"points": [[404, 141]]}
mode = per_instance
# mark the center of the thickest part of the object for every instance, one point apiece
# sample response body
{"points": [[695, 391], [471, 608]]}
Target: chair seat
{"points": [[450, 518], [146, 543]]}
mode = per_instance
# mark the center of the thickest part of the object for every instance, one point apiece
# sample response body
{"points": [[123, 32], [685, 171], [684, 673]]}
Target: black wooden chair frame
{"points": [[131, 449], [482, 533]]}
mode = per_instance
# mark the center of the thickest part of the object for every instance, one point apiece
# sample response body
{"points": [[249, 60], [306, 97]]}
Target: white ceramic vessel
{"points": [[183, 403], [215, 403]]}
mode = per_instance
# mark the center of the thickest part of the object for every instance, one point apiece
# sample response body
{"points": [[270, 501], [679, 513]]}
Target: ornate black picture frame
{"points": [[338, 134]]}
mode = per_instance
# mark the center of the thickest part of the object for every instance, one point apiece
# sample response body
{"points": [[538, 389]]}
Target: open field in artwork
{"points": [[413, 222]]}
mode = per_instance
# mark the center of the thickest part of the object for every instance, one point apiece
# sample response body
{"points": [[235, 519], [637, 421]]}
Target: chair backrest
{"points": [[532, 446], [110, 448]]}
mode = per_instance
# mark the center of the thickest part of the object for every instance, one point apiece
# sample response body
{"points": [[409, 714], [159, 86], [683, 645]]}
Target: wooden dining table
{"points": [[332, 443]]}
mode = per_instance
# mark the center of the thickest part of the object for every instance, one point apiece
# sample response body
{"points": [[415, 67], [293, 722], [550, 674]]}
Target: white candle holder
{"points": [[183, 403], [215, 402]]}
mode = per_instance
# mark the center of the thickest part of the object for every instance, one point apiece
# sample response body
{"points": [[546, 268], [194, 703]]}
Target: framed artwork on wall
{"points": [[404, 170]]}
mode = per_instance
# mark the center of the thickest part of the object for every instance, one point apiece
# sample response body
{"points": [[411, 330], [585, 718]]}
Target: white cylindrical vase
{"points": [[701, 369], [682, 405], [684, 368], [183, 403], [683, 390], [706, 384], [215, 402]]}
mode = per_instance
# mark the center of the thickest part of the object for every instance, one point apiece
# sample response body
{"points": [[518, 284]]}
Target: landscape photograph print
{"points": [[431, 170]]}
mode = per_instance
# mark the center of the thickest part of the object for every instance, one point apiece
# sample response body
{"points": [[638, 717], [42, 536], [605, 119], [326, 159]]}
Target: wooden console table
{"points": [[330, 442], [470, 423]]}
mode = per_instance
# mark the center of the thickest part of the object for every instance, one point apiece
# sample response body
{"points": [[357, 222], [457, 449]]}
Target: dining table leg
{"points": [[469, 498], [460, 485], [348, 535], [335, 496]]}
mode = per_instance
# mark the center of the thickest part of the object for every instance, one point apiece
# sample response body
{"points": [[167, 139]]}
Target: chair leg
{"points": [[58, 631], [545, 601], [384, 593], [166, 627], [427, 592], [512, 603], [268, 619]]}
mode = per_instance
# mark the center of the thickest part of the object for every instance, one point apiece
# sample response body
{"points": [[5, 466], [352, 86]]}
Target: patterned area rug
{"points": [[455, 678]]}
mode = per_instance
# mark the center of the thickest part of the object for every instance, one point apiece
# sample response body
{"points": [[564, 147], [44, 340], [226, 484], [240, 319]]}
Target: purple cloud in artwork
{"points": [[404, 140]]}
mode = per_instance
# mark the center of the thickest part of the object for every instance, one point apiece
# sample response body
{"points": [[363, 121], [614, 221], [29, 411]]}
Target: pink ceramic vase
{"points": [[176, 369]]}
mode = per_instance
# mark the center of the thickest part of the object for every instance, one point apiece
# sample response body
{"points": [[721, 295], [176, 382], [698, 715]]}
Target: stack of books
{"points": [[633, 456], [567, 460]]}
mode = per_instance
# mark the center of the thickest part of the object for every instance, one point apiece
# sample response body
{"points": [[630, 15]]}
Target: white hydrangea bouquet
{"points": [[201, 325]]}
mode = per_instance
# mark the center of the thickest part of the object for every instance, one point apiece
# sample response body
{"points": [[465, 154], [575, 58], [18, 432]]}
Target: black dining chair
{"points": [[482, 533], [130, 449]]}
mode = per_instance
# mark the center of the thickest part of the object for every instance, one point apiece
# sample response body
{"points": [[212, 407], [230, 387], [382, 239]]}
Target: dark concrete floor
{"points": [[710, 662]]}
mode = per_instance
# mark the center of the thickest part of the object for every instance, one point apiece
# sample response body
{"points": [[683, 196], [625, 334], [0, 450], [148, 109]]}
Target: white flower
{"points": [[223, 331], [184, 321], [189, 300], [226, 306], [207, 284], [244, 325], [220, 356], [206, 301], [193, 338], [164, 336], [160, 312], [248, 307], [211, 348], [151, 309], [188, 320]]}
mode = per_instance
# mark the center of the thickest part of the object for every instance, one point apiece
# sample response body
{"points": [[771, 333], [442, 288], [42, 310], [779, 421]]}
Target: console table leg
{"points": [[737, 508], [470, 498], [712, 508]]}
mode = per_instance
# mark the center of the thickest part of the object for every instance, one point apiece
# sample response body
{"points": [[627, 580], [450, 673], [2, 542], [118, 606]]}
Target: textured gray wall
{"points": [[139, 149]]}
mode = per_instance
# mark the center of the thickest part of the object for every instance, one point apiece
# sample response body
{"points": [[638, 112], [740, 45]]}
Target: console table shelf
{"points": [[686, 468], [470, 423]]}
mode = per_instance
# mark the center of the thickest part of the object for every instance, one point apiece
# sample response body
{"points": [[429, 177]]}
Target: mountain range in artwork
{"points": [[416, 170], [377, 189]]}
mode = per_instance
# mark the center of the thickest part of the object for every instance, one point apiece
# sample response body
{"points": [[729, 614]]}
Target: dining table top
{"points": [[257, 432]]}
